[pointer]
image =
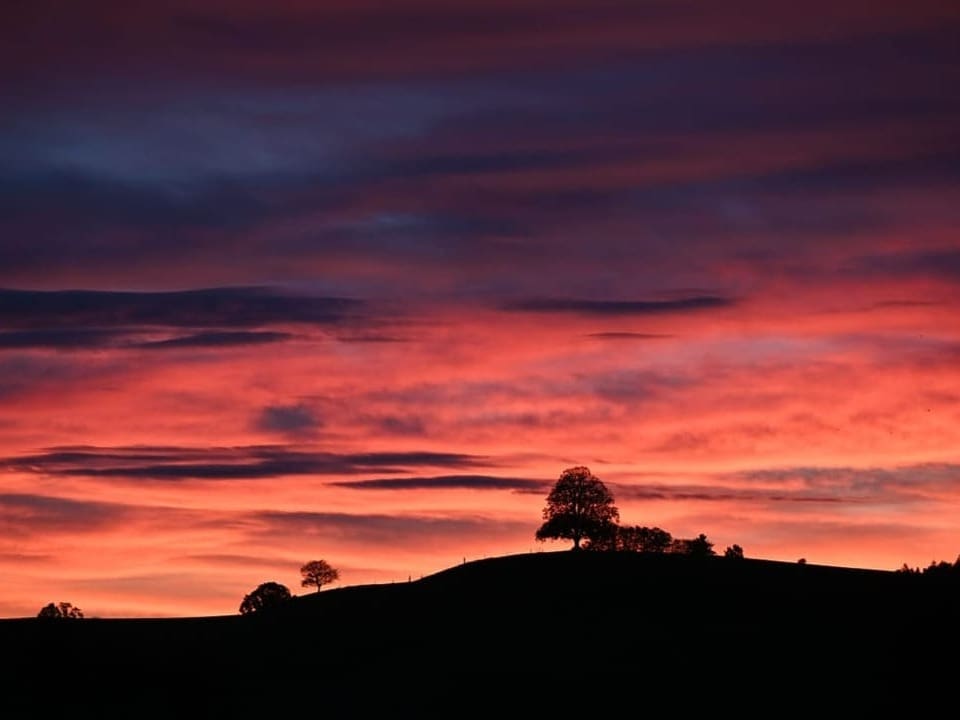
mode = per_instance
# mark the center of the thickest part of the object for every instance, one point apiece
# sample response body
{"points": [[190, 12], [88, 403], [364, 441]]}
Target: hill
{"points": [[649, 622]]}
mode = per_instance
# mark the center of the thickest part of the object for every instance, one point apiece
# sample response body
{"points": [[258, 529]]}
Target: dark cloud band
{"points": [[240, 463], [448, 482], [205, 308], [616, 308], [91, 339], [217, 339], [27, 514]]}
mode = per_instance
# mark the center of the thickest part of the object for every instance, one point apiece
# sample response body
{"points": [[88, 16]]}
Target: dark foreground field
{"points": [[557, 631]]}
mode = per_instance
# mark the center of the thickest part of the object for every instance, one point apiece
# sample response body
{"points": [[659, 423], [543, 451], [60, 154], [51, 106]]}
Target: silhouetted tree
{"points": [[700, 546], [318, 573], [578, 507], [696, 547], [608, 541], [654, 540], [632, 539], [734, 552], [60, 611], [266, 596]]}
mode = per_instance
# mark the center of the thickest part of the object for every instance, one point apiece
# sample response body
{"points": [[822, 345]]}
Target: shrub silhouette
{"points": [[266, 596], [734, 552], [318, 573], [60, 611], [696, 547], [578, 507]]}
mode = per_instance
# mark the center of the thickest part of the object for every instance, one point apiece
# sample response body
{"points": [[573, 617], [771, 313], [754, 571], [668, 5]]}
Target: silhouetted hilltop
{"points": [[627, 615]]}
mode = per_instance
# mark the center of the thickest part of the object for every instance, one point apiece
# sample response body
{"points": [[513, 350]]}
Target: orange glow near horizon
{"points": [[832, 447]]}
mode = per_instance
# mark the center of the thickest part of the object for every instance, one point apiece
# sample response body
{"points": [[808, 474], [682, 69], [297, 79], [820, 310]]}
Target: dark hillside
{"points": [[649, 619]]}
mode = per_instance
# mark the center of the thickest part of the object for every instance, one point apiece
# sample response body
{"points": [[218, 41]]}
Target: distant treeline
{"points": [[942, 569], [636, 538]]}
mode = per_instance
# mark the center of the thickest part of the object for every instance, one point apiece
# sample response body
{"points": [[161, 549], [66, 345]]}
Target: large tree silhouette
{"points": [[318, 573], [578, 507], [266, 596]]}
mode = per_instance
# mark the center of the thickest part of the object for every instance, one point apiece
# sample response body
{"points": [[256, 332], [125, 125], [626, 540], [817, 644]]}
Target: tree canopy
{"points": [[699, 546], [633, 538], [734, 552], [60, 611], [318, 573], [266, 596], [578, 507]]}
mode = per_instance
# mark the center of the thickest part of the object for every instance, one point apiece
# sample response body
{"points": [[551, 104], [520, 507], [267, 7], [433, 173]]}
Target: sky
{"points": [[356, 280]]}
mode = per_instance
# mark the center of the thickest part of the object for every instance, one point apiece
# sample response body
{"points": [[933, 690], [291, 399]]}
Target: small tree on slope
{"points": [[318, 573]]}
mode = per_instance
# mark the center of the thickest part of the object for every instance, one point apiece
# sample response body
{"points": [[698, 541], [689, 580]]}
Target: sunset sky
{"points": [[357, 280]]}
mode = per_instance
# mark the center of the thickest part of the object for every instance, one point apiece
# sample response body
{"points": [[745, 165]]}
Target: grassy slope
{"points": [[652, 620]]}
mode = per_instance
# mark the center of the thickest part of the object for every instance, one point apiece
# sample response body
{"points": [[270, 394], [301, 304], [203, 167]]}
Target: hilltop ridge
{"points": [[615, 613]]}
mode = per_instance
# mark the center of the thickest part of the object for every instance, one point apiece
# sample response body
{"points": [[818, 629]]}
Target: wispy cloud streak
{"points": [[264, 462]]}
